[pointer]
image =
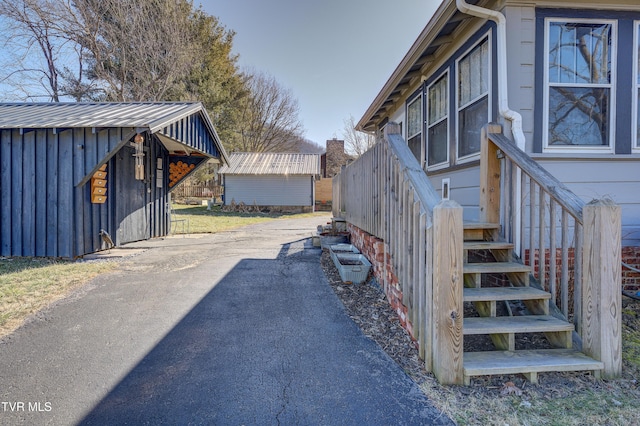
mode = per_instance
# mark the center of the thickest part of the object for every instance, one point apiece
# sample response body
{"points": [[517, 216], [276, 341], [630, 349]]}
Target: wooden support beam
{"points": [[444, 39], [601, 285], [447, 293], [489, 176]]}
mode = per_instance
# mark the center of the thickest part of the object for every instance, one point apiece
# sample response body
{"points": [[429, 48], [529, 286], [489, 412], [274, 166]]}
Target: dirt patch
{"points": [[558, 398]]}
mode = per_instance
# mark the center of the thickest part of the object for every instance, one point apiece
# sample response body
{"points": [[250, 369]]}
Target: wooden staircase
{"points": [[485, 255]]}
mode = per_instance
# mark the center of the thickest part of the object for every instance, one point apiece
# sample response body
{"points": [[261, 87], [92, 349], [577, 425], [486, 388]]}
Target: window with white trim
{"points": [[438, 122], [474, 72], [579, 89], [414, 127]]}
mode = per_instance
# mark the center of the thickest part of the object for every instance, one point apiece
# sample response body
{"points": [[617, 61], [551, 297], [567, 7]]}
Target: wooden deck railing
{"points": [[573, 248], [386, 193]]}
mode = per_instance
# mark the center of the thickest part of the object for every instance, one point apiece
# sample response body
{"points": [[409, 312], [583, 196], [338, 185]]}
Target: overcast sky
{"points": [[335, 55]]}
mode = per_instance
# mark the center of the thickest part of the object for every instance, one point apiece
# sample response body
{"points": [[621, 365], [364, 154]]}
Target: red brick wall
{"points": [[631, 279], [373, 249], [630, 256]]}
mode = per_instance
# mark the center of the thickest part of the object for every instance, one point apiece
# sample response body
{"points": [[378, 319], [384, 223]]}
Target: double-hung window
{"points": [[579, 89], [473, 98], [414, 127], [438, 122]]}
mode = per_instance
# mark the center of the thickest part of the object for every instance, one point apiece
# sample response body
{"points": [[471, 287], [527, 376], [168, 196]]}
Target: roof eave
{"points": [[441, 16], [196, 107]]}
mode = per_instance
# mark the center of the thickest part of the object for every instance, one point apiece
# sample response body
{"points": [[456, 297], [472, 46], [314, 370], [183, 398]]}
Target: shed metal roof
{"points": [[99, 114], [270, 163], [156, 117]]}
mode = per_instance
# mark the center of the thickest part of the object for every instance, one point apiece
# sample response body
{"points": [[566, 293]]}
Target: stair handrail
{"points": [[551, 185], [424, 189], [597, 229], [386, 193]]}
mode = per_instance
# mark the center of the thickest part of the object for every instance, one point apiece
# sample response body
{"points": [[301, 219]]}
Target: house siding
{"points": [[464, 189], [269, 190], [521, 42], [591, 179]]}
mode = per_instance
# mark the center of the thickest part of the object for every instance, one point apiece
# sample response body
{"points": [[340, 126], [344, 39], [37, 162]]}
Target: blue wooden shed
{"points": [[70, 170]]}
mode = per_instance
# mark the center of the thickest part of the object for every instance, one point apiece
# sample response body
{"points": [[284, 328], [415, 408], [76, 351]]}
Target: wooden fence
{"points": [[197, 191], [386, 193]]}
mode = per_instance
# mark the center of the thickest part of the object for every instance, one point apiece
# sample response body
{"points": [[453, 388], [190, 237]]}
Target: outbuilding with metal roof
{"points": [[70, 172], [271, 179]]}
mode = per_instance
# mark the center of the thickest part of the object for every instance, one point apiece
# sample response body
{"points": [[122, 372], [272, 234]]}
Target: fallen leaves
{"points": [[510, 388]]}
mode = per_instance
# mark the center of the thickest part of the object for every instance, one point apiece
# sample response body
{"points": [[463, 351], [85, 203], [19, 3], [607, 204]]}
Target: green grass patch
{"points": [[28, 285], [203, 221]]}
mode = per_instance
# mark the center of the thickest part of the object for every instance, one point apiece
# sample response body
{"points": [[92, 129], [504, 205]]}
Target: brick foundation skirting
{"points": [[374, 250], [630, 256], [631, 279]]}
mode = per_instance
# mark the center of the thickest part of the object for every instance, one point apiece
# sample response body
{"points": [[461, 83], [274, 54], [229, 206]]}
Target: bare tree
{"points": [[36, 51], [139, 48], [269, 117], [356, 143], [121, 50]]}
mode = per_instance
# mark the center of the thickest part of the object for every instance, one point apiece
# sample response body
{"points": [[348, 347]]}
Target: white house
{"points": [[271, 179]]}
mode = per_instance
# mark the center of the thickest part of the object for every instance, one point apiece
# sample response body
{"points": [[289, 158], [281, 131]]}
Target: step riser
{"points": [[529, 363], [517, 324], [502, 330]]}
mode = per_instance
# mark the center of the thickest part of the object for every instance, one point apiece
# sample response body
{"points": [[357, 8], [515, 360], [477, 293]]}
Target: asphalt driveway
{"points": [[237, 328]]}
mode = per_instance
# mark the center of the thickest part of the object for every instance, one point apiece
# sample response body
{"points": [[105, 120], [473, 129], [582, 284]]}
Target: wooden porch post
{"points": [[447, 293], [601, 285], [489, 176]]}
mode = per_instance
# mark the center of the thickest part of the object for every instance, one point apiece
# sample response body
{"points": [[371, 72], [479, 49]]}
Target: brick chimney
{"points": [[335, 157]]}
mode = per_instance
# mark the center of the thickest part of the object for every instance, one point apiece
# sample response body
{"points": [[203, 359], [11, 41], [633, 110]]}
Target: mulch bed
{"points": [[367, 305]]}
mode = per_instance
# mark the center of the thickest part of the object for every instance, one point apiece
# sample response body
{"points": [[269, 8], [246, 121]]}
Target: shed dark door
{"points": [[131, 203]]}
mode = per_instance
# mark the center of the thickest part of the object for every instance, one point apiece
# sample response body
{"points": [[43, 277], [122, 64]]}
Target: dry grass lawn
{"points": [[559, 399], [28, 285]]}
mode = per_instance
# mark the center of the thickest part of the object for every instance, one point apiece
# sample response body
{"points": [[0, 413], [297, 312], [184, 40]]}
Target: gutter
{"points": [[503, 99]]}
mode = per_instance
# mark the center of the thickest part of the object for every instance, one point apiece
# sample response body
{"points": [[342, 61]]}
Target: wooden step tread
{"points": [[480, 225], [515, 324], [529, 361], [487, 294], [494, 267], [487, 245]]}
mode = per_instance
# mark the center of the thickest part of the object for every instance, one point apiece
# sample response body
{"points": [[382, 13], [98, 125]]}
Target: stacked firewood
{"points": [[177, 171]]}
